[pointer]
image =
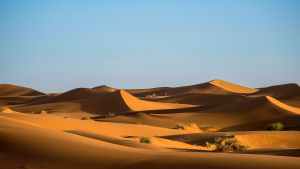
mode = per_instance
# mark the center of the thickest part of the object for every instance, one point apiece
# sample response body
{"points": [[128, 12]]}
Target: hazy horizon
{"points": [[59, 45]]}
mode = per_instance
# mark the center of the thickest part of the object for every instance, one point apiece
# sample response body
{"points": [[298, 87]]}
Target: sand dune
{"points": [[95, 102], [165, 127], [136, 104], [231, 87], [211, 87], [239, 114], [284, 91], [207, 100], [258, 142], [13, 90], [56, 149], [282, 106], [104, 88]]}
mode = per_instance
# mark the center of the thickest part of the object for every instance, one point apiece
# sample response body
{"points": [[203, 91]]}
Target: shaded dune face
{"points": [[207, 100], [96, 102], [9, 90], [284, 91], [219, 87], [14, 95]]}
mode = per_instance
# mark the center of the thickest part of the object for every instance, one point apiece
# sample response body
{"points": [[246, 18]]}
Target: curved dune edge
{"points": [[231, 87], [136, 104], [57, 149], [278, 104]]}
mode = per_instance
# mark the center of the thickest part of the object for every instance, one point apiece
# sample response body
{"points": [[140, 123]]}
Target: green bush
{"points": [[226, 144], [278, 126], [145, 140]]}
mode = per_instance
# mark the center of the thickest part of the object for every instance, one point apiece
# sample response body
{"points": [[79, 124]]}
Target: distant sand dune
{"points": [[231, 87], [104, 88], [97, 102], [284, 91], [211, 87], [13, 90]]}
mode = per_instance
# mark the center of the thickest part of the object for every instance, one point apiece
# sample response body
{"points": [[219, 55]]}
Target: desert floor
{"points": [[212, 125]]}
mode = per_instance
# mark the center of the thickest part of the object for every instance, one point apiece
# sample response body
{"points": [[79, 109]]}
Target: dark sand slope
{"points": [[13, 90], [211, 87], [95, 102], [284, 91], [13, 95]]}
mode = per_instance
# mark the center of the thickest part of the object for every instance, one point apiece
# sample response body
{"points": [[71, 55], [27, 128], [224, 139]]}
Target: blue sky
{"points": [[59, 45]]}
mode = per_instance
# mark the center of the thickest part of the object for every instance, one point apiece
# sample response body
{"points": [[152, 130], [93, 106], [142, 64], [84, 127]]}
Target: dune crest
{"points": [[231, 87], [283, 106], [137, 104], [104, 88]]}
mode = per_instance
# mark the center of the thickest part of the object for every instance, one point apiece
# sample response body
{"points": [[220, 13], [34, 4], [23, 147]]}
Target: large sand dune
{"points": [[91, 101], [164, 127], [13, 90], [211, 87]]}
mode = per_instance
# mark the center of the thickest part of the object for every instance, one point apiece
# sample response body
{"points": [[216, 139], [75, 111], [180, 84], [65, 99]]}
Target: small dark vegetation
{"points": [[145, 140], [226, 144], [84, 118], [277, 126], [188, 126]]}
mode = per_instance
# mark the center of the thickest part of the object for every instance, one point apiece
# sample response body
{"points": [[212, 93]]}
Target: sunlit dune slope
{"points": [[55, 149], [231, 87], [283, 106], [252, 139]]}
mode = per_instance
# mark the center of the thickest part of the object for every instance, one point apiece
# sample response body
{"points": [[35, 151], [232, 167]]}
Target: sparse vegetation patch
{"points": [[145, 140], [226, 144], [278, 126]]}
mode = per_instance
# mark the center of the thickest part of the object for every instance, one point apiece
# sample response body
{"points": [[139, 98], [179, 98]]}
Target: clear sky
{"points": [[58, 45]]}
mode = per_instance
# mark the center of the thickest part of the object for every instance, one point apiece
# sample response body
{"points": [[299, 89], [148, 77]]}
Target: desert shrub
{"points": [[179, 126], [189, 126], [276, 126], [226, 144], [84, 118], [145, 140]]}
